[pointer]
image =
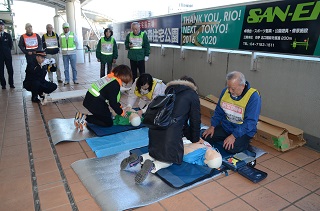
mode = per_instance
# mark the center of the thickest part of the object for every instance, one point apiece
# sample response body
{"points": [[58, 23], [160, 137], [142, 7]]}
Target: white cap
{"points": [[65, 25]]}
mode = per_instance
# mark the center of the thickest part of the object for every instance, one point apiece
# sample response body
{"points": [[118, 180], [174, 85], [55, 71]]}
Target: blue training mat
{"points": [[104, 131], [180, 176], [112, 144]]}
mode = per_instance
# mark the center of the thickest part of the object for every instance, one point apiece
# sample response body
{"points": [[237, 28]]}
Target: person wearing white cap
{"points": [[29, 43], [5, 56], [68, 43]]}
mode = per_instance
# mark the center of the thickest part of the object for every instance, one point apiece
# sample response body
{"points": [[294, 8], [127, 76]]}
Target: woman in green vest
{"points": [[102, 94], [106, 52]]}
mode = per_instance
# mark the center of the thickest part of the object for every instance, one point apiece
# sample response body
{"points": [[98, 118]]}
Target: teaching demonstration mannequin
{"points": [[194, 153], [134, 119]]}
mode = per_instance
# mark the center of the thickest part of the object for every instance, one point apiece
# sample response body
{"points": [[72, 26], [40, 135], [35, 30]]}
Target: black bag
{"points": [[159, 112]]}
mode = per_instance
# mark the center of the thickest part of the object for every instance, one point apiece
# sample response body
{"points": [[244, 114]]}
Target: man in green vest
{"points": [[50, 43], [68, 43], [138, 47]]}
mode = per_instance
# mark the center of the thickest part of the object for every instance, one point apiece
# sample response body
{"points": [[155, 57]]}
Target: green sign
{"points": [[317, 51], [220, 28]]}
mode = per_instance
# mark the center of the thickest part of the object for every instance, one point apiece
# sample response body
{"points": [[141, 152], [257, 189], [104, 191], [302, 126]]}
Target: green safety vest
{"points": [[106, 46], [70, 45], [136, 40], [97, 86]]}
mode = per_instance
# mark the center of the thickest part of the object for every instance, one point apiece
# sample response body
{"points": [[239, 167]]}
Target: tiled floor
{"points": [[293, 181]]}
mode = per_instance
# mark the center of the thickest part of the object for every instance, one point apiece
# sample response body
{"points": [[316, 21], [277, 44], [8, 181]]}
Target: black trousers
{"points": [[37, 87], [220, 134], [103, 68], [7, 60], [137, 65], [104, 121]]}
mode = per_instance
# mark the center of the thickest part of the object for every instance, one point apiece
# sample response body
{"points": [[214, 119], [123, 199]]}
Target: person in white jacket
{"points": [[145, 88]]}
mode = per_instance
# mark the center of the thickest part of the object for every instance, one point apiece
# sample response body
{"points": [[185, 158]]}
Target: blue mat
{"points": [[104, 131], [112, 144], [186, 174]]}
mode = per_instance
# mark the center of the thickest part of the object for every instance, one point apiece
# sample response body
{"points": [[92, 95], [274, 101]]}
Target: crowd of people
{"points": [[234, 122]]}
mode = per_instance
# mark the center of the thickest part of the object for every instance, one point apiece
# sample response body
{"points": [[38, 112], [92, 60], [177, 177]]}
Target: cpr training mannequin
{"points": [[194, 153], [131, 118], [134, 119]]}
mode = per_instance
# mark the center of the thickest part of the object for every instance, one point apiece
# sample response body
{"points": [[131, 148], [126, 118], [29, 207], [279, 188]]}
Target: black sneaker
{"points": [[143, 173], [60, 81], [12, 86], [130, 161]]}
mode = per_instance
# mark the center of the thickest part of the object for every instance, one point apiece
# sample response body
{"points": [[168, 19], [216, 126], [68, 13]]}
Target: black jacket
{"points": [[97, 105], [34, 71], [167, 145], [5, 45]]}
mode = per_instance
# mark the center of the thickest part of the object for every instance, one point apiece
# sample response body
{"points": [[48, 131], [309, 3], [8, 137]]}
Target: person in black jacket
{"points": [[30, 43], [50, 43], [5, 56], [35, 81], [166, 146], [101, 95]]}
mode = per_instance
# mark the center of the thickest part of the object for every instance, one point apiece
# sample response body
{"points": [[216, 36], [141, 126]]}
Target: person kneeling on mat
{"points": [[194, 153], [166, 145], [102, 94], [35, 81]]}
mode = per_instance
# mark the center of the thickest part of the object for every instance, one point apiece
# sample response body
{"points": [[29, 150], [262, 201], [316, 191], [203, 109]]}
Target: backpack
{"points": [[159, 112]]}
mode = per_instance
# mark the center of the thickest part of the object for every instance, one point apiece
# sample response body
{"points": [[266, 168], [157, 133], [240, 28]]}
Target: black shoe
{"points": [[143, 173], [130, 161], [60, 81], [12, 86], [76, 82], [35, 100], [4, 87]]}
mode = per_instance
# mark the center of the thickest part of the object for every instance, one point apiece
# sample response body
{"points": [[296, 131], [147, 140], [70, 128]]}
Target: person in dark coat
{"points": [[101, 95], [5, 56], [35, 81], [166, 146], [30, 43]]}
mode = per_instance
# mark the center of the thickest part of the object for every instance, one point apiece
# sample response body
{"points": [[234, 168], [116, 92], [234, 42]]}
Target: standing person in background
{"points": [[68, 43], [138, 47], [50, 42], [106, 52], [29, 43], [5, 56]]}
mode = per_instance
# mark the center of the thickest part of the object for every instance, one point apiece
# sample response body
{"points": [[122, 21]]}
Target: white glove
{"points": [[45, 62], [146, 58], [52, 61]]}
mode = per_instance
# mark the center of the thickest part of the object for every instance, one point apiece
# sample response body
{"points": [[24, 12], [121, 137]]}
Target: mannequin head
{"points": [[213, 158], [134, 119]]}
